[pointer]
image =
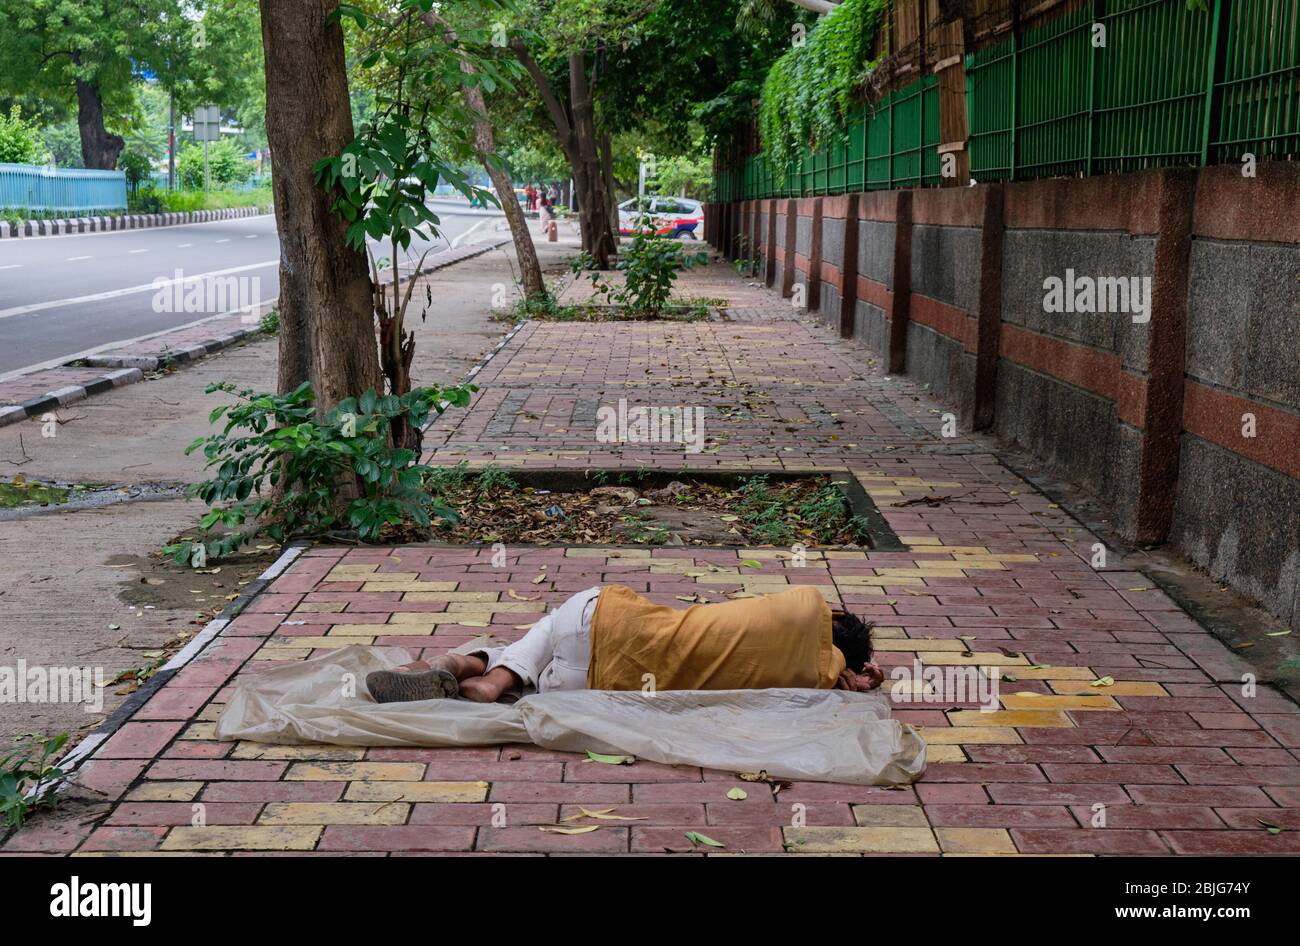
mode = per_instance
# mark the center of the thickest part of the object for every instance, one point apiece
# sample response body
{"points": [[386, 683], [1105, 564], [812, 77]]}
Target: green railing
{"points": [[1170, 86], [890, 143]]}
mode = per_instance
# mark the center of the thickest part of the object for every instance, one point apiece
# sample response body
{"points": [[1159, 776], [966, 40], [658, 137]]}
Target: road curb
{"points": [[68, 395], [71, 226], [182, 356], [128, 369]]}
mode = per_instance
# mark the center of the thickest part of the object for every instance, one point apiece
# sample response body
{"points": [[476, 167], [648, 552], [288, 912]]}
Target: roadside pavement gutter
{"points": [[128, 369]]}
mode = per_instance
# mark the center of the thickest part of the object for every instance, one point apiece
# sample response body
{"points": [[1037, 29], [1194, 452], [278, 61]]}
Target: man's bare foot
{"points": [[489, 687]]}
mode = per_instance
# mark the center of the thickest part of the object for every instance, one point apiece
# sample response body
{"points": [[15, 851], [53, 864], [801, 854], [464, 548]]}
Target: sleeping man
{"points": [[611, 638]]}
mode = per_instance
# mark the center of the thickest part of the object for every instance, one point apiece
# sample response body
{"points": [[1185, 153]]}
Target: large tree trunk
{"points": [[99, 148], [327, 329], [593, 200], [607, 177]]}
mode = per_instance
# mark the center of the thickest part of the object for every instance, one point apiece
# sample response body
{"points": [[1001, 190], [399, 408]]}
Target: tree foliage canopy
{"points": [[809, 92]]}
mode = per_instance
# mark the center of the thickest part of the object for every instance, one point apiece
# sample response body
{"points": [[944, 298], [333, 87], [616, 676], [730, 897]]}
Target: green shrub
{"points": [[180, 201], [650, 266], [145, 200], [20, 140], [226, 165], [279, 467], [137, 168]]}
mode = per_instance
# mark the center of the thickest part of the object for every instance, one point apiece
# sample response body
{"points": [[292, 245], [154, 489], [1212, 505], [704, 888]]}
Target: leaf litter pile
{"points": [[493, 507]]}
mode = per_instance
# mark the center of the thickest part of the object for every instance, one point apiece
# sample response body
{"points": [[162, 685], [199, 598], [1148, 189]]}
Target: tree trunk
{"points": [[327, 328], [607, 177], [530, 269], [99, 148], [397, 346], [576, 135], [485, 143], [593, 202]]}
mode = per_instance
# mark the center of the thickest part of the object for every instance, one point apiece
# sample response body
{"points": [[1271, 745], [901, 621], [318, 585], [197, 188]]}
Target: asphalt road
{"points": [[64, 297]]}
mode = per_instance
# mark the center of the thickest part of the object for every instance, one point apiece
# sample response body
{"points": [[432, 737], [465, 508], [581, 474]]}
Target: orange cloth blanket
{"points": [[781, 640]]}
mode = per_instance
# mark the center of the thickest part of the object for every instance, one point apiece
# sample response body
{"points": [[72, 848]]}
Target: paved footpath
{"points": [[1173, 756]]}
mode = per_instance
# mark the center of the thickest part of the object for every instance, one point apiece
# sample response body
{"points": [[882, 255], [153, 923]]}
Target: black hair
{"points": [[853, 638]]}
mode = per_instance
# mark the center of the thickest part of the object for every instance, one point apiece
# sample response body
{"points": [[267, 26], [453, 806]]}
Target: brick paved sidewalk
{"points": [[1170, 757]]}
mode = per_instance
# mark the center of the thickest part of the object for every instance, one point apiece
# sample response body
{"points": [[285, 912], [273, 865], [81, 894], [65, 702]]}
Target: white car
{"points": [[676, 217]]}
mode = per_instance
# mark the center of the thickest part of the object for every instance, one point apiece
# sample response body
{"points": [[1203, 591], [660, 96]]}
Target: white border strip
{"points": [[281, 564]]}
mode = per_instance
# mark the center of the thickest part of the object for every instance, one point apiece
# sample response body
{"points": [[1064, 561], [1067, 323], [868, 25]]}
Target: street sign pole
{"points": [[171, 143], [207, 127]]}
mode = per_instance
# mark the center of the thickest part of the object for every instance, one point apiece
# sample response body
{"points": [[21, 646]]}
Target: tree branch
{"points": [[553, 107]]}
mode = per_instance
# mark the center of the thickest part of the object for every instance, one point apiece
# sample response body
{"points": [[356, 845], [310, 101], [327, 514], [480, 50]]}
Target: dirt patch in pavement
{"points": [[653, 509], [156, 581]]}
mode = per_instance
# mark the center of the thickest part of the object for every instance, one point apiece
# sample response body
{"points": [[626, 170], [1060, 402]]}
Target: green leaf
{"points": [[697, 839], [610, 759]]}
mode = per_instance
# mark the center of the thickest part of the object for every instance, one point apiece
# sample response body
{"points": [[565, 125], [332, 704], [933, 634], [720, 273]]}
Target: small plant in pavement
{"points": [[28, 778], [283, 472], [650, 266]]}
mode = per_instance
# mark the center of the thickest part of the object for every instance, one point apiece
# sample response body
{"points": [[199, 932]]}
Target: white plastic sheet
{"points": [[816, 735]]}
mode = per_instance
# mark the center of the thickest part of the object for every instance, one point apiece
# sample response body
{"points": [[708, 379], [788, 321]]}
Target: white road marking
{"points": [[13, 266], [250, 236], [114, 293], [181, 246], [223, 241], [73, 259], [137, 251], [457, 242]]}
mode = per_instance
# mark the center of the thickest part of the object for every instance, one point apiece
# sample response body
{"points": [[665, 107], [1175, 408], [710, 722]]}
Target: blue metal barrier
{"points": [[65, 190]]}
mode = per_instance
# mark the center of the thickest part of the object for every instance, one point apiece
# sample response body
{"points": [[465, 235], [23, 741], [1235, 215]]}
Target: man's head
{"points": [[853, 638]]}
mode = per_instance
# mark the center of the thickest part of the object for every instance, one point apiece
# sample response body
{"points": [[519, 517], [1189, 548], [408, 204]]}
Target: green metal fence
{"points": [[890, 143], [1170, 86]]}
